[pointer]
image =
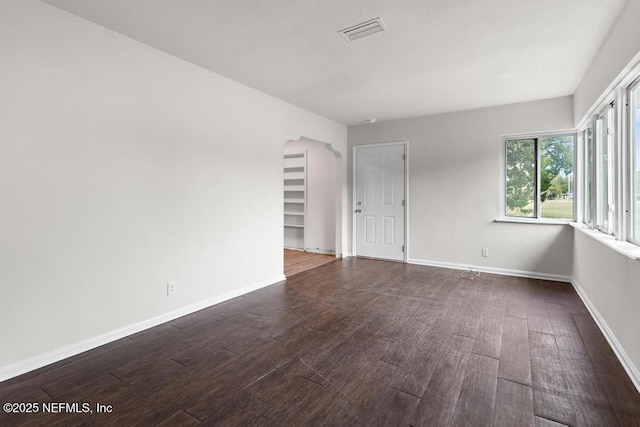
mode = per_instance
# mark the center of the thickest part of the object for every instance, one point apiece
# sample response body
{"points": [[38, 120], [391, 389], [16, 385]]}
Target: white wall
{"points": [[322, 175], [454, 185], [123, 168], [615, 57], [611, 283]]}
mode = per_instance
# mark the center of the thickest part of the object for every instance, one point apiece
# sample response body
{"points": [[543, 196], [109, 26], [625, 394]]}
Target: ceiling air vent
{"points": [[363, 29]]}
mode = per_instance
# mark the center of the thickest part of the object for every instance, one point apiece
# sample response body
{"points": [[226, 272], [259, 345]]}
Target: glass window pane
{"points": [[635, 131], [588, 137], [603, 168], [521, 177], [556, 177]]}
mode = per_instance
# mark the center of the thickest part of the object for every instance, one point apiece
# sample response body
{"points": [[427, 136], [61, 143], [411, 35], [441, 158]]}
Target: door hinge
{"points": [[402, 248], [403, 203], [404, 156]]}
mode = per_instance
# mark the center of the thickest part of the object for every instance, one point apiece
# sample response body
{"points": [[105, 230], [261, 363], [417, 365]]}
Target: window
{"points": [[634, 98], [521, 177], [539, 176], [611, 168], [590, 175], [604, 168]]}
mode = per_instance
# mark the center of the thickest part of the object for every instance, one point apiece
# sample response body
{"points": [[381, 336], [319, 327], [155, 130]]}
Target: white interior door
{"points": [[380, 201]]}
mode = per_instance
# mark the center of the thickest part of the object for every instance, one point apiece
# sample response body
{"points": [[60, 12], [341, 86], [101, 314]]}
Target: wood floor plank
{"points": [[421, 357], [489, 338], [238, 408], [603, 357], [596, 416], [79, 383], [415, 375], [516, 298], [514, 405], [298, 261], [466, 313], [180, 418], [624, 398], [438, 403], [582, 380], [364, 401], [564, 329], [515, 363], [202, 357], [551, 396], [543, 422], [390, 407], [288, 392], [538, 316], [148, 373], [478, 394]]}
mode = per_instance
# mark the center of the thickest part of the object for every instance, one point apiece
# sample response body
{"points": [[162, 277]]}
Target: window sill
{"points": [[533, 221], [625, 248]]}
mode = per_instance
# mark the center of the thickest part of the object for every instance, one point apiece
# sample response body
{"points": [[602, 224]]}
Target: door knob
{"points": [[358, 210]]}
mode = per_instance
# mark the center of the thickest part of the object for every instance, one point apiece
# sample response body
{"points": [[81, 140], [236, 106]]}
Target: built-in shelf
{"points": [[295, 199], [294, 175]]}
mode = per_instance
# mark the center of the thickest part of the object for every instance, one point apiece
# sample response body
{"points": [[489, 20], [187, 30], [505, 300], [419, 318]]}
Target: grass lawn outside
{"points": [[559, 209], [550, 209]]}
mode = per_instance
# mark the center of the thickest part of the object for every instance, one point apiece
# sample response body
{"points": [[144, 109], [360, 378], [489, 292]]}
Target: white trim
{"points": [[625, 248], [39, 361], [533, 135], [629, 194], [320, 251], [405, 143], [406, 201], [492, 270], [353, 201], [542, 221], [617, 348]]}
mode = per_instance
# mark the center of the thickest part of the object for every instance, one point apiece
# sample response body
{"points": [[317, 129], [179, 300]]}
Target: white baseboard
{"points": [[321, 251], [627, 364], [39, 361], [492, 270]]}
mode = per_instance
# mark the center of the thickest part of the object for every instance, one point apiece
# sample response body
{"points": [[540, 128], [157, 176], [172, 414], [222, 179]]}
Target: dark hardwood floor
{"points": [[298, 261], [354, 342]]}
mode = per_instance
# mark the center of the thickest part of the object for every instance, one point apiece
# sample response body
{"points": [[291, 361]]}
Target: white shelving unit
{"points": [[295, 199]]}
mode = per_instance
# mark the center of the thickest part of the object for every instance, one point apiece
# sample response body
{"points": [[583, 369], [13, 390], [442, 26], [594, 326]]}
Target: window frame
{"points": [[589, 178], [631, 209], [537, 219], [606, 116], [618, 101]]}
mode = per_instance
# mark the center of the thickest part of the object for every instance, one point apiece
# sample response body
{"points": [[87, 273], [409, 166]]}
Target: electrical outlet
{"points": [[171, 288], [485, 252]]}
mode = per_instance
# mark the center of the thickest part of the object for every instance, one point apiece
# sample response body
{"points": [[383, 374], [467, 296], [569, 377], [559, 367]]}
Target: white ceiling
{"points": [[438, 55]]}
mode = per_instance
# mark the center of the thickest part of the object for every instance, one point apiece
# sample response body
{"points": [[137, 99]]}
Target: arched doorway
{"points": [[312, 209]]}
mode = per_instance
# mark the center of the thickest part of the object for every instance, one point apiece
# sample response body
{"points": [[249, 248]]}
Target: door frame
{"points": [[354, 171]]}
